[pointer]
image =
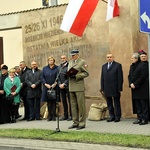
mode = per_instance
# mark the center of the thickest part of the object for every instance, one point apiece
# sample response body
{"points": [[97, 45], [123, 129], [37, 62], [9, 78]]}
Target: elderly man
{"points": [[64, 90], [143, 58], [137, 77], [76, 89], [34, 91], [23, 92]]}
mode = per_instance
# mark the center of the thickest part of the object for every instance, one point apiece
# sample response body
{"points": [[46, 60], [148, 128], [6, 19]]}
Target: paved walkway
{"points": [[124, 126], [19, 144]]}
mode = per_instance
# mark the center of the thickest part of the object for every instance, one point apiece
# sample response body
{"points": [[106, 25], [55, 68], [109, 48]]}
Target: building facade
{"points": [[37, 35]]}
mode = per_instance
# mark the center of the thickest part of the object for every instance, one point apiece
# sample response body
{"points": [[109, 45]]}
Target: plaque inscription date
{"points": [[33, 27], [43, 24]]}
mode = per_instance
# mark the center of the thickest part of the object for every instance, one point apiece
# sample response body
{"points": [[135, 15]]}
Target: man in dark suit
{"points": [[64, 89], [23, 92], [111, 86], [34, 91]]}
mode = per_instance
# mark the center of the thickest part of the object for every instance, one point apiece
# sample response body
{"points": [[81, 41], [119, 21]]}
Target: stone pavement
{"points": [[19, 144], [124, 126]]}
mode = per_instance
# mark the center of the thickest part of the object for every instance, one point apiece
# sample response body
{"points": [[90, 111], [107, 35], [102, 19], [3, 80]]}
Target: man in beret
{"points": [[143, 55], [143, 58], [76, 89]]}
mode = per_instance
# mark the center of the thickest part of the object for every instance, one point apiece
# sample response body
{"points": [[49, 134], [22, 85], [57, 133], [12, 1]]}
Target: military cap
{"points": [[74, 51]]}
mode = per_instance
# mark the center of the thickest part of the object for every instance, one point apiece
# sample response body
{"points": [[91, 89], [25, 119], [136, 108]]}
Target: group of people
{"points": [[31, 85], [138, 78], [67, 80]]}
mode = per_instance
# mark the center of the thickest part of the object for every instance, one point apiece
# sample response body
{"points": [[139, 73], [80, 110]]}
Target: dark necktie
{"points": [[109, 64]]}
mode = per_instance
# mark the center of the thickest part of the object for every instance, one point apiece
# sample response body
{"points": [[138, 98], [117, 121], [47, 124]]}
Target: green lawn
{"points": [[140, 141]]}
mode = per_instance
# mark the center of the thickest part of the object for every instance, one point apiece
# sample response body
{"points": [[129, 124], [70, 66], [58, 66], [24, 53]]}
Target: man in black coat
{"points": [[23, 92], [143, 58], [64, 90], [137, 77], [33, 82], [4, 107], [111, 86]]}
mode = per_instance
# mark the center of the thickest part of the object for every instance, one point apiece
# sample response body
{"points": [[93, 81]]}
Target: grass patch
{"points": [[129, 140]]}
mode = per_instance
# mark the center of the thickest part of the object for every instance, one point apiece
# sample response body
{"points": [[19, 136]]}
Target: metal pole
{"points": [[104, 1], [149, 65], [57, 107]]}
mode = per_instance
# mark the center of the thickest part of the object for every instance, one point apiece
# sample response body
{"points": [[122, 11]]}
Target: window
{"points": [[45, 2]]}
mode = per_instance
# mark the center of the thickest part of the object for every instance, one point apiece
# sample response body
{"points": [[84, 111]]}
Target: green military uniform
{"points": [[77, 95]]}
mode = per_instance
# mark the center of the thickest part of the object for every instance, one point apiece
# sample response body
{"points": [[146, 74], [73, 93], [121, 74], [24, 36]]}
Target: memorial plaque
{"points": [[42, 38]]}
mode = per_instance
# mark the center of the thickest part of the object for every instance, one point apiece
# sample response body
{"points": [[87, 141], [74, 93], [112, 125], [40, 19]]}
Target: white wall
{"points": [[7, 6], [63, 1], [12, 39], [12, 47]]}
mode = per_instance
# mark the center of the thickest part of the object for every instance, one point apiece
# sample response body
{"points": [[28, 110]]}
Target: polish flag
{"points": [[112, 9], [77, 15]]}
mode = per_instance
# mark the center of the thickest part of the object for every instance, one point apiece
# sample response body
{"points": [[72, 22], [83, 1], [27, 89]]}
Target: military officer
{"points": [[76, 89]]}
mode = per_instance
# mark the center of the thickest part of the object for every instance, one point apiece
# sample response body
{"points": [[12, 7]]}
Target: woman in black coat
{"points": [[49, 75], [137, 77]]}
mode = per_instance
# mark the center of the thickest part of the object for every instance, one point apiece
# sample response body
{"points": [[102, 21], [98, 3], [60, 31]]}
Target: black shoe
{"points": [[25, 118], [137, 121], [54, 119], [73, 126], [110, 119], [49, 119], [63, 118], [116, 120], [38, 119], [143, 123], [80, 127], [13, 121], [69, 118], [18, 116], [31, 119]]}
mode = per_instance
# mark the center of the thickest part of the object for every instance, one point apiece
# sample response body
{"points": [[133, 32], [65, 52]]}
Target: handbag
{"points": [[10, 99], [51, 94]]}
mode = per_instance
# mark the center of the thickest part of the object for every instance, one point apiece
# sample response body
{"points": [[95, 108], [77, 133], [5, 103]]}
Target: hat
{"points": [[140, 52], [5, 67], [74, 51]]}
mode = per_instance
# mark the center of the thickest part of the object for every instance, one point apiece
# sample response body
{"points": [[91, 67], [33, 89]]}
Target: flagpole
{"points": [[104, 1]]}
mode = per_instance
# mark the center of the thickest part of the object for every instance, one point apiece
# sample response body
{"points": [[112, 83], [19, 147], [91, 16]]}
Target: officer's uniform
{"points": [[76, 89]]}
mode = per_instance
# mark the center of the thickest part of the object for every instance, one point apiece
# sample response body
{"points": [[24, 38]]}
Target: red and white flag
{"points": [[112, 9], [77, 15]]}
